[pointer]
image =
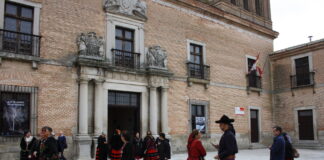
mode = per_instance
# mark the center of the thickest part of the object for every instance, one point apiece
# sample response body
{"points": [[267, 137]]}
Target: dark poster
{"points": [[15, 113]]}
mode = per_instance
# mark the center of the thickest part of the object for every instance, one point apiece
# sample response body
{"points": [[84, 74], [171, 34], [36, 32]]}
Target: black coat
{"points": [[128, 152], [289, 153], [116, 142], [227, 145], [163, 147], [102, 149], [61, 143], [48, 149], [26, 149], [138, 145]]}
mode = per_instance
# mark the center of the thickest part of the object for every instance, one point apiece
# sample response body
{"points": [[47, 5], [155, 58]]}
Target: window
{"points": [[123, 54], [253, 79], [258, 7], [233, 2], [18, 26], [121, 99], [198, 118], [250, 63], [14, 112], [196, 68], [302, 71], [246, 4]]}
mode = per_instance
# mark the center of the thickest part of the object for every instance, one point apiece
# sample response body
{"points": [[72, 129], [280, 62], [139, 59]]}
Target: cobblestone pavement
{"points": [[261, 154]]}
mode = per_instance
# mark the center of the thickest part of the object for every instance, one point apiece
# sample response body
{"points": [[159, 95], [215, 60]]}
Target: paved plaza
{"points": [[261, 154]]}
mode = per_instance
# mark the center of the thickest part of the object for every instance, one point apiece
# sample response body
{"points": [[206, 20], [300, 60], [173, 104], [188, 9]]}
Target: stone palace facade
{"points": [[86, 67]]}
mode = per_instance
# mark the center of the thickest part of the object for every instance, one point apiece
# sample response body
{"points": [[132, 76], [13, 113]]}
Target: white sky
{"points": [[295, 20]]}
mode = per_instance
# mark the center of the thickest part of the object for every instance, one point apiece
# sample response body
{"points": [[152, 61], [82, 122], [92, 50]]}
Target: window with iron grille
{"points": [[258, 7], [196, 65], [18, 24], [198, 118], [123, 53], [253, 79], [126, 99], [246, 4], [302, 71]]}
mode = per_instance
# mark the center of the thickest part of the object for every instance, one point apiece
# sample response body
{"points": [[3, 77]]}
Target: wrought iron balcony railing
{"points": [[125, 59], [254, 81], [302, 80], [19, 43], [198, 71]]}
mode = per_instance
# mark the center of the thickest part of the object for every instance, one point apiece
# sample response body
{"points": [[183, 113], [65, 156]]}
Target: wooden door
{"points": [[306, 127], [254, 120]]}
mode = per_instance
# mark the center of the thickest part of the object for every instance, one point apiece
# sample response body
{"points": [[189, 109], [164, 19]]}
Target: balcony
{"points": [[254, 82], [198, 73], [125, 59], [19, 43], [302, 80]]}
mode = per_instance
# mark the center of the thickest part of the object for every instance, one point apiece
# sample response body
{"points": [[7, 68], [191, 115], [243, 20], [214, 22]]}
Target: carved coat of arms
{"points": [[156, 57], [126, 7], [90, 45]]}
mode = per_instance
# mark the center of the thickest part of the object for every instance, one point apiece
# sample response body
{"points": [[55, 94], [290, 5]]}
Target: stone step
{"points": [[309, 145]]}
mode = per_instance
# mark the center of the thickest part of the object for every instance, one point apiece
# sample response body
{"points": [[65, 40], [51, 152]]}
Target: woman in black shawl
{"points": [[102, 148], [26, 145]]}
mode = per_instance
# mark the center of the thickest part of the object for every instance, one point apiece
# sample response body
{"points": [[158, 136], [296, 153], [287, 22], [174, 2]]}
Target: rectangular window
{"points": [[196, 67], [14, 113], [233, 2], [253, 79], [246, 4], [123, 54], [18, 26], [198, 118], [258, 7], [302, 71]]}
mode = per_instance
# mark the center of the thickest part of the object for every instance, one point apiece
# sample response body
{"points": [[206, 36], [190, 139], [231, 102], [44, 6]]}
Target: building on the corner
{"points": [[86, 67], [298, 79]]}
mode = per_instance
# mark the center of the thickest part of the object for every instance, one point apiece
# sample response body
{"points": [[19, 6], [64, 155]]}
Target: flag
{"points": [[257, 67]]}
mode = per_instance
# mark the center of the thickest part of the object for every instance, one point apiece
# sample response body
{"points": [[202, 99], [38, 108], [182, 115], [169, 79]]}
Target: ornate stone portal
{"points": [[90, 45], [133, 8]]}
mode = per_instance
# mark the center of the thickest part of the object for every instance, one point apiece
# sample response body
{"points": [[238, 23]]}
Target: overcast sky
{"points": [[295, 20]]}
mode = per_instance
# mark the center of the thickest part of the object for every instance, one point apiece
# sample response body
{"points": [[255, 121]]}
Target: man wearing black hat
{"points": [[227, 145]]}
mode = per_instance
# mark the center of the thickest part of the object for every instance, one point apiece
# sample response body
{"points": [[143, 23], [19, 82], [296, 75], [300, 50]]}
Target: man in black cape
{"points": [[227, 145]]}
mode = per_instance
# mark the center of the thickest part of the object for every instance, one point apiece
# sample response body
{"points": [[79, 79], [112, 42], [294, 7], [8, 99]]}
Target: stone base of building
{"points": [[82, 147]]}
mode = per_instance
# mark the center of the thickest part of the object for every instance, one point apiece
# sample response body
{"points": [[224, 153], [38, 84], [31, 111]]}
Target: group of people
{"points": [[47, 147], [282, 149], [227, 147], [123, 146]]}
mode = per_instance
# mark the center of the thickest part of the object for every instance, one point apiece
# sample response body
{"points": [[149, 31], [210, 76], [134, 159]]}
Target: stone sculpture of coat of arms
{"points": [[135, 8], [90, 45], [156, 57]]}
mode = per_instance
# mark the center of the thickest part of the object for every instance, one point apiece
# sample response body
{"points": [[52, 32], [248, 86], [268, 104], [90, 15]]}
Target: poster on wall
{"points": [[201, 124], [14, 117], [239, 110]]}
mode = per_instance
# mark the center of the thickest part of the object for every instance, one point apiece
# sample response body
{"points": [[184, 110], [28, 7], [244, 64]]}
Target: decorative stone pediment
{"points": [[133, 8], [90, 45], [156, 57]]}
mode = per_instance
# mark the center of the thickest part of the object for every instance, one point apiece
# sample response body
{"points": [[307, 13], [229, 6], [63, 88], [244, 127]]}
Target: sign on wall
{"points": [[239, 110]]}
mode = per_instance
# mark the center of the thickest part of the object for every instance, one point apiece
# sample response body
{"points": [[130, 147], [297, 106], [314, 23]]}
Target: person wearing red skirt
{"points": [[116, 146], [150, 149]]}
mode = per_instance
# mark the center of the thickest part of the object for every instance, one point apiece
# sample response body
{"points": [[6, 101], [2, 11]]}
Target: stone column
{"points": [[153, 111], [98, 117], [83, 107], [144, 112], [164, 110], [83, 140]]}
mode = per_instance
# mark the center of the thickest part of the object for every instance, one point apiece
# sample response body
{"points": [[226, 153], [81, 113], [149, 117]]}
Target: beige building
{"points": [[86, 67], [298, 79]]}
